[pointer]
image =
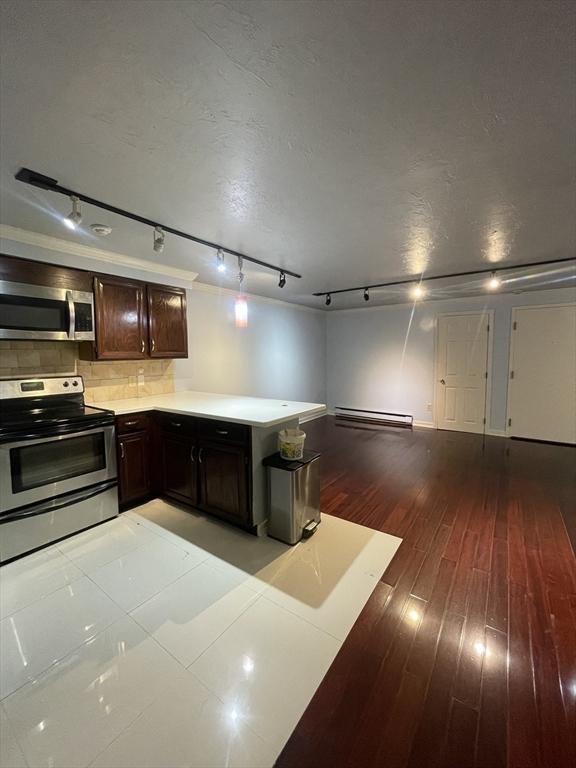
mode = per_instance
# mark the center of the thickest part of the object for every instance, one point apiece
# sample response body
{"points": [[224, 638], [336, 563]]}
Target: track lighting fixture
{"points": [[221, 266], [282, 281], [328, 300], [366, 295], [419, 291], [158, 239], [47, 183], [74, 218], [494, 282], [240, 273]]}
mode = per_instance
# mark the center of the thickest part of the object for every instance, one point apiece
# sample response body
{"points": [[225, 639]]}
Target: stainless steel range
{"points": [[57, 463]]}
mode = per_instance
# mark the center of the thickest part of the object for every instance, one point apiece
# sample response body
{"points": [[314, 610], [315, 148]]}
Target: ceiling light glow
{"points": [[221, 266], [417, 292]]}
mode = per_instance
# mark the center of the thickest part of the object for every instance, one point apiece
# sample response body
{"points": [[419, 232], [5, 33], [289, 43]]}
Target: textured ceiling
{"points": [[352, 142]]}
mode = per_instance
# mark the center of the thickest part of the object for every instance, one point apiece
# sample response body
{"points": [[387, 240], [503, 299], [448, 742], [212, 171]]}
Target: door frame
{"points": [[489, 313], [513, 315]]}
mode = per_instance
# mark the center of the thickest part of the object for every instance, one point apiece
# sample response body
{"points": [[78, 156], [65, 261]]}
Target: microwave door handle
{"points": [[71, 315]]}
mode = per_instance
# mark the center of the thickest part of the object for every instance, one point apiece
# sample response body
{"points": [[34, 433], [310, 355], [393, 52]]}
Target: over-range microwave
{"points": [[39, 312]]}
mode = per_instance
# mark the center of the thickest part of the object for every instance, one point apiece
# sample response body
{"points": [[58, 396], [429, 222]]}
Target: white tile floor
{"points": [[164, 638]]}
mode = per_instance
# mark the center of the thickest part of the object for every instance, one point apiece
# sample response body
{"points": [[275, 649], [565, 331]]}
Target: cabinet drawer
{"points": [[172, 422], [131, 422], [223, 432]]}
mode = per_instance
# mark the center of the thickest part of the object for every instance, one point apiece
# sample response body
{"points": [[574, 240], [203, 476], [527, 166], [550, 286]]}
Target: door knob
{"points": [[442, 381]]}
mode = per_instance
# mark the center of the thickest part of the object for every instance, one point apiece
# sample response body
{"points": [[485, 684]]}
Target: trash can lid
{"points": [[290, 465]]}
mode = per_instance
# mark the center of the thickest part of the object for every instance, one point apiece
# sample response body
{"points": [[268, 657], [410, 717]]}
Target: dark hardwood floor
{"points": [[465, 654]]}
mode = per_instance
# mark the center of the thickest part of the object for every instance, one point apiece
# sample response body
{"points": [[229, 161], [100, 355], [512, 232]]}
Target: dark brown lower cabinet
{"points": [[178, 468], [134, 467], [199, 463], [223, 481]]}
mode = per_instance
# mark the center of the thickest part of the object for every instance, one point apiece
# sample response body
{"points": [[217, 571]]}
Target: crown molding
{"points": [[50, 243], [27, 237]]}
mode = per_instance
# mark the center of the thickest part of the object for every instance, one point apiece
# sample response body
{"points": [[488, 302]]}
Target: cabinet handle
{"points": [[192, 458], [176, 423], [130, 423], [142, 346], [200, 454], [222, 431], [153, 345], [122, 451]]}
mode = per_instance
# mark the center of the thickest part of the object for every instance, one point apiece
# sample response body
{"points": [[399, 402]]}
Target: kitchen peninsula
{"points": [[201, 449]]}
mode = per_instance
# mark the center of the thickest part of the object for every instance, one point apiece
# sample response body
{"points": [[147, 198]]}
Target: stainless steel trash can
{"points": [[293, 496]]}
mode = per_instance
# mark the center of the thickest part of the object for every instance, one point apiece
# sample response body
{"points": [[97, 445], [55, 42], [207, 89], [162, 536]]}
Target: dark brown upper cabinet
{"points": [[135, 321], [121, 319], [167, 321]]}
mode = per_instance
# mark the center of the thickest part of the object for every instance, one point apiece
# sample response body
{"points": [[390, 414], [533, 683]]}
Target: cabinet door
{"points": [[134, 467], [120, 310], [167, 321], [178, 467], [223, 474]]}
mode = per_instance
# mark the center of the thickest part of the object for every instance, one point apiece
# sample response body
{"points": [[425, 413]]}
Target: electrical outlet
{"points": [[429, 407]]}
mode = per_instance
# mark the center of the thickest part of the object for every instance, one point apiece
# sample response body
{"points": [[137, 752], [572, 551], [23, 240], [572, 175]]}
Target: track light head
{"points": [[282, 281], [328, 300], [74, 218], [221, 266], [418, 292], [158, 239], [366, 295], [494, 282]]}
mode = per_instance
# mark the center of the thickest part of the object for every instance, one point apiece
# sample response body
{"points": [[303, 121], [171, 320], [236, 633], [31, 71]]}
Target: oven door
{"points": [[40, 468], [49, 314]]}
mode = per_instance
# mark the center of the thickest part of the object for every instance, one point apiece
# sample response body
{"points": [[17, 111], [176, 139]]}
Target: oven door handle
{"points": [[71, 315], [44, 507], [18, 437]]}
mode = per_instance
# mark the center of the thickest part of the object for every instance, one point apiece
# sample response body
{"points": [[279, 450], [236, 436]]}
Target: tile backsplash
{"points": [[119, 380], [102, 380], [33, 358]]}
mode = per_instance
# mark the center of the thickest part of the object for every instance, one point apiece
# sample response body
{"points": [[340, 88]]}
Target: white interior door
{"points": [[542, 386], [462, 371]]}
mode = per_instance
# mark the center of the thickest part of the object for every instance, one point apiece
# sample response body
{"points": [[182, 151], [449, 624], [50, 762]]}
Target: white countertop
{"points": [[254, 411]]}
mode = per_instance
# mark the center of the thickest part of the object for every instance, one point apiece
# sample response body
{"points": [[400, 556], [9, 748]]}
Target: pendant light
{"points": [[241, 305]]}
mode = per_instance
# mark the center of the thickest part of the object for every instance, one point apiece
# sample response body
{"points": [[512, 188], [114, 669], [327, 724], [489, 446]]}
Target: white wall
{"points": [[383, 358], [281, 354]]}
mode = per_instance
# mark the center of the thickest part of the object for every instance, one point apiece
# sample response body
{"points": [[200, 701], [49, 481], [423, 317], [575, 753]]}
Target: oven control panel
{"points": [[39, 387]]}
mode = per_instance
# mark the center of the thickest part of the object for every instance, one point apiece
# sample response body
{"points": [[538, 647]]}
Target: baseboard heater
{"points": [[384, 418]]}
